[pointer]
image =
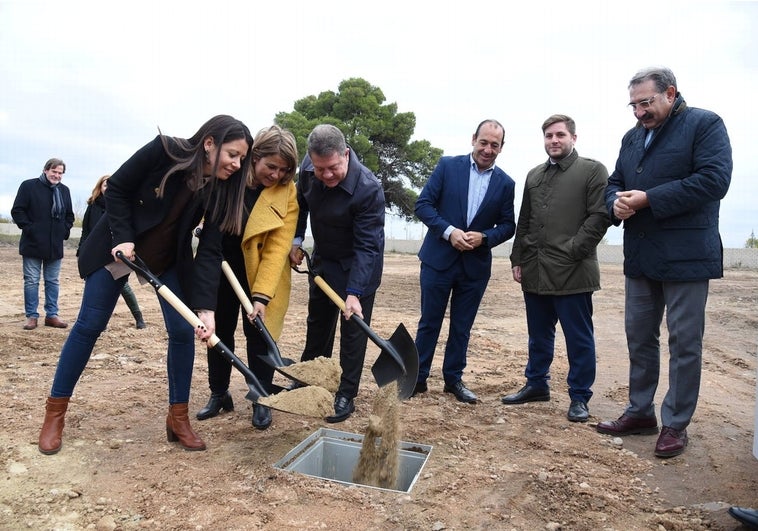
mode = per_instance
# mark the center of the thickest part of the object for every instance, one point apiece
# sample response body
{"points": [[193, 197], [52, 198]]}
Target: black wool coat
{"points": [[41, 236]]}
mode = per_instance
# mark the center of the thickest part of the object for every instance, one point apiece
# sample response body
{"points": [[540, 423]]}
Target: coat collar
{"points": [[565, 162]]}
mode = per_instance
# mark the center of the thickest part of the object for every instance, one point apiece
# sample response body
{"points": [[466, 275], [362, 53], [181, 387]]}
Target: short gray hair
{"points": [[662, 77], [325, 140]]}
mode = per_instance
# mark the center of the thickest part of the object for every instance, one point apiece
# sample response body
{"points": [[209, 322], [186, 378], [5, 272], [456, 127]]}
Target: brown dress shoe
{"points": [[671, 442], [55, 322], [31, 323], [626, 425]]}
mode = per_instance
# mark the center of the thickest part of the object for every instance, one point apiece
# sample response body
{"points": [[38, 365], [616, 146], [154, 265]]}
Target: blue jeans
{"points": [[33, 270], [101, 292]]}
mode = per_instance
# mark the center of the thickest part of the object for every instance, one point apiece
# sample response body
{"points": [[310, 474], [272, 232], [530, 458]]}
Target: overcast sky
{"points": [[91, 82]]}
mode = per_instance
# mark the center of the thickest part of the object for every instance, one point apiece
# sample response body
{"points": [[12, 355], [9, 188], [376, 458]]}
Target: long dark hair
{"points": [[224, 200], [97, 190]]}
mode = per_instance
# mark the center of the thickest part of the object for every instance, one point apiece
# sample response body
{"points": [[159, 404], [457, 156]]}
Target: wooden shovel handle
{"points": [[333, 295], [237, 287]]}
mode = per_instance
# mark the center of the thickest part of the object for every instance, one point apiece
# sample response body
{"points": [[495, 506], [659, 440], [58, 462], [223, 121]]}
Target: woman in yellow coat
{"points": [[260, 260]]}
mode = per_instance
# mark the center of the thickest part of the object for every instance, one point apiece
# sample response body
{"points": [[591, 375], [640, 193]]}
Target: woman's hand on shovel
{"points": [[127, 248], [208, 317], [259, 310]]}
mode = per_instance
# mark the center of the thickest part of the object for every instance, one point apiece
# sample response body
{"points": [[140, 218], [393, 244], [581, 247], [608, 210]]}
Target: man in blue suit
{"points": [[467, 204]]}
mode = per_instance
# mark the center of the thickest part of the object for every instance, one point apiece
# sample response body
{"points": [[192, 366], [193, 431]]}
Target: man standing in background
{"points": [[554, 258], [467, 204], [43, 212], [673, 169]]}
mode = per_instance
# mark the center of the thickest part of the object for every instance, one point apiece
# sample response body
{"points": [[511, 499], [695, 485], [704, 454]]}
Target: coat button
{"points": [[639, 169]]}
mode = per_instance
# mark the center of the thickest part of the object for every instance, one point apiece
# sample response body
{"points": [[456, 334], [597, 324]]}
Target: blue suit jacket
{"points": [[444, 202]]}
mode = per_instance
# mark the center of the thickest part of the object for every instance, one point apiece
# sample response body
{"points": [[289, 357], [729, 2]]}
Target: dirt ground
{"points": [[491, 467]]}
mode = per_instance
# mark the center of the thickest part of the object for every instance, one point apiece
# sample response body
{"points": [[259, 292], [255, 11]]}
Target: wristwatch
{"points": [[485, 240]]}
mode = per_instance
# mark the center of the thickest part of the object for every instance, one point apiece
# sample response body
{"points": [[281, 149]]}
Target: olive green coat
{"points": [[561, 221]]}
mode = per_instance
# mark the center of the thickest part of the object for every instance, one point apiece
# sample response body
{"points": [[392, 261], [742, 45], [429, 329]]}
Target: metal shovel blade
{"points": [[272, 357], [386, 368]]}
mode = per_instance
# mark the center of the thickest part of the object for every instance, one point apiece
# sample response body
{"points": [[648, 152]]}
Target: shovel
{"points": [[272, 357], [256, 391], [398, 359]]}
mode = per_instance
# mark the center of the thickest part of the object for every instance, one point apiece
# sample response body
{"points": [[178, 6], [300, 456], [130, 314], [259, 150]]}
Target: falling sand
{"points": [[321, 371], [310, 401], [378, 462]]}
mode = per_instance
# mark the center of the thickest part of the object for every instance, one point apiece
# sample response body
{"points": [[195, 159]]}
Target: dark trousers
{"points": [[465, 294], [574, 312], [323, 315]]}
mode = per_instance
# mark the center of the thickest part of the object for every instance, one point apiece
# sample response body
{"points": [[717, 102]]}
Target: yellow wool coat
{"points": [[266, 244]]}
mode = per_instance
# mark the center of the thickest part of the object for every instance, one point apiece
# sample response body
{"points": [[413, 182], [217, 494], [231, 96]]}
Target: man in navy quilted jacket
{"points": [[673, 169]]}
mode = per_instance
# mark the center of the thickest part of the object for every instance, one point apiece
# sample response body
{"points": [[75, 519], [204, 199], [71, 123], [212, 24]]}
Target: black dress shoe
{"points": [[578, 411], [343, 408], [528, 393], [420, 387], [748, 517], [261, 417], [216, 403], [461, 392]]}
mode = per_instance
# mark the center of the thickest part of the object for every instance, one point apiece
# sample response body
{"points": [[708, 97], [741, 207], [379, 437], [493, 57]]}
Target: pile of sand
{"points": [[378, 462], [323, 372], [311, 401]]}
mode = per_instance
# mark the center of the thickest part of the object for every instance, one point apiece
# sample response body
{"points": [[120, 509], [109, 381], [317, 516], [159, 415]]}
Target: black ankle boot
{"points": [[261, 417], [216, 403]]}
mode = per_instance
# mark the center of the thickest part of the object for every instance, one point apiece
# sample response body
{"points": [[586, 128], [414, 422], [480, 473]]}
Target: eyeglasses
{"points": [[644, 104]]}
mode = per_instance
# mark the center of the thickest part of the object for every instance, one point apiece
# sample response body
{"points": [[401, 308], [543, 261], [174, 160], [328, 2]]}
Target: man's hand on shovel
{"points": [[352, 306]]}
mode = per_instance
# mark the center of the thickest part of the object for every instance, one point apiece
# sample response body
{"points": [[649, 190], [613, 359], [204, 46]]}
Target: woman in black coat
{"points": [[95, 210], [155, 200]]}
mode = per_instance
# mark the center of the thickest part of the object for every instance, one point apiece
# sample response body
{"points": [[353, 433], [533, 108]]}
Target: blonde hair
{"points": [[273, 141]]}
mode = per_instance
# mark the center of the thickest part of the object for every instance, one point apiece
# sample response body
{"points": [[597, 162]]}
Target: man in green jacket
{"points": [[562, 220]]}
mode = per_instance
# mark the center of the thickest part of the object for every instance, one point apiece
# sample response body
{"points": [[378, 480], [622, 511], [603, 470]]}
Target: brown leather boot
{"points": [[51, 435], [178, 428]]}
